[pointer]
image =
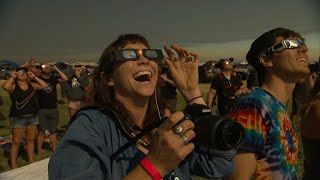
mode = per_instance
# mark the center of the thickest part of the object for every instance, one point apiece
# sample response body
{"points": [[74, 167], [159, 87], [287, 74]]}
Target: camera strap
{"points": [[123, 126]]}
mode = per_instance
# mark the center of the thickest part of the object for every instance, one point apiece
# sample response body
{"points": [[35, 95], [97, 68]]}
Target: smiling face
{"points": [[134, 78], [291, 64]]}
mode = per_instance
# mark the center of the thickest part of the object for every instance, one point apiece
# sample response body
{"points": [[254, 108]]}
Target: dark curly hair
{"points": [[263, 42]]}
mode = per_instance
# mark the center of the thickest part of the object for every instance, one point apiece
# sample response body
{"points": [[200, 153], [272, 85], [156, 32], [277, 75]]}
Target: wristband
{"points": [[194, 99], [151, 170]]}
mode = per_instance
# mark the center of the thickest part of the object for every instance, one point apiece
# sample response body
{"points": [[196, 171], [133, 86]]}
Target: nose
{"points": [[303, 49], [143, 60]]}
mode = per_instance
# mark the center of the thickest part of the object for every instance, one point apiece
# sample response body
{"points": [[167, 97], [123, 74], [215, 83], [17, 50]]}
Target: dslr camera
{"points": [[315, 67], [214, 132]]}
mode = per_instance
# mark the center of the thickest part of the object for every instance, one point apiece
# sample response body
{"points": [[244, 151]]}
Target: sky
{"points": [[79, 30]]}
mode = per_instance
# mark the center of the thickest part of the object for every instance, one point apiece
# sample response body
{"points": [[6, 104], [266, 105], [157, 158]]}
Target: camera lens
{"points": [[233, 135]]}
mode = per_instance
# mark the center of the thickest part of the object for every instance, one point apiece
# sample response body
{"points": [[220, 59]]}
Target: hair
{"points": [[263, 42], [104, 95], [313, 98]]}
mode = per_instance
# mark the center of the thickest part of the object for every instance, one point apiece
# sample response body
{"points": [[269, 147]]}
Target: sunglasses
{"points": [[286, 44], [134, 54], [21, 72]]}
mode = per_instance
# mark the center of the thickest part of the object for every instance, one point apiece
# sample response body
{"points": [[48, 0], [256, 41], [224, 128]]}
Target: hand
{"points": [[238, 93], [31, 75], [169, 149], [163, 77], [54, 67], [14, 75], [184, 71], [77, 72]]}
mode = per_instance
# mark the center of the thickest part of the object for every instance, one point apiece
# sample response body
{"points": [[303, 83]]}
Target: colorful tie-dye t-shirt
{"points": [[269, 134]]}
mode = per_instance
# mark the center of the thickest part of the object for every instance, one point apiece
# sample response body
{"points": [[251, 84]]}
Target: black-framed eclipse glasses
{"points": [[286, 44], [134, 54]]}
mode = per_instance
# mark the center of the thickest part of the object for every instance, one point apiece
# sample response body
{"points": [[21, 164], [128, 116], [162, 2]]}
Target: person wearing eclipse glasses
{"points": [[76, 86], [270, 149], [24, 110], [124, 84], [47, 99], [226, 86]]}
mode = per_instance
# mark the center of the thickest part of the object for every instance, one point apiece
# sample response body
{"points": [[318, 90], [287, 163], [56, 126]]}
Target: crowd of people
{"points": [[125, 125], [33, 93]]}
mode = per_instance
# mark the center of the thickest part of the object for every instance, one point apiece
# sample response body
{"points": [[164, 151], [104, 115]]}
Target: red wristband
{"points": [[152, 171]]}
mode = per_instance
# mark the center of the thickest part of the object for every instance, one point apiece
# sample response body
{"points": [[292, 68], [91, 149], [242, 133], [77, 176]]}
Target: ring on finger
{"points": [[177, 130], [184, 138]]}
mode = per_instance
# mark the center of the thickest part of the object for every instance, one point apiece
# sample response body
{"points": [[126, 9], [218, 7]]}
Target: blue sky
{"points": [[79, 30]]}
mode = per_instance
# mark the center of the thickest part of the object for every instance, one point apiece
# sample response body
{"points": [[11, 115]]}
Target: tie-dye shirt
{"points": [[269, 134]]}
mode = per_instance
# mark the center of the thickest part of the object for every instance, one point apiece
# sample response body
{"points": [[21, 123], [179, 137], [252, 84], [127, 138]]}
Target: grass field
{"points": [[64, 118]]}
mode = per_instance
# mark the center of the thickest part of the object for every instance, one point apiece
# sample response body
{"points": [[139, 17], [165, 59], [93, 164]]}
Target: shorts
{"points": [[48, 119], [72, 104], [23, 122]]}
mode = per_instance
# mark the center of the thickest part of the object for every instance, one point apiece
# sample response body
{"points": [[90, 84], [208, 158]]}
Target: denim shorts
{"points": [[23, 122]]}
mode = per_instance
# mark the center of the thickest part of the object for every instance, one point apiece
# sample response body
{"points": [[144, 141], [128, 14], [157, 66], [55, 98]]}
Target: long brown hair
{"points": [[104, 95], [312, 99]]}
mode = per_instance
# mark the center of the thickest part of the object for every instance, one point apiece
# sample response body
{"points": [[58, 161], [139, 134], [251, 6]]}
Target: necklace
{"points": [[126, 127], [20, 105]]}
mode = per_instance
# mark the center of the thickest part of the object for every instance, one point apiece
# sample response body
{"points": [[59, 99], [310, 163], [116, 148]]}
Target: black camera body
{"points": [[315, 67], [214, 132]]}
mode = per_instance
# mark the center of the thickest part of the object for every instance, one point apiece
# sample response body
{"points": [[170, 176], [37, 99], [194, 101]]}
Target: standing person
{"points": [[76, 89], [32, 66], [125, 81], [310, 134], [270, 148], [23, 111], [226, 86], [48, 112]]}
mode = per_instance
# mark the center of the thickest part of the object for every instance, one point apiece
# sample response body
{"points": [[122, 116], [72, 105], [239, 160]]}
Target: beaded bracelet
{"points": [[194, 99]]}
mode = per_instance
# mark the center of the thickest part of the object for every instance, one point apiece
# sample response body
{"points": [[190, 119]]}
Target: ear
{"points": [[265, 61]]}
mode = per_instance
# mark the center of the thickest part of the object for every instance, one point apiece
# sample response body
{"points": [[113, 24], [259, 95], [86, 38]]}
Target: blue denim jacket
{"points": [[85, 150]]}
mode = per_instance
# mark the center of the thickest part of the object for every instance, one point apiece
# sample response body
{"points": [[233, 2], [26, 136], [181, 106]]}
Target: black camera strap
{"points": [[123, 126]]}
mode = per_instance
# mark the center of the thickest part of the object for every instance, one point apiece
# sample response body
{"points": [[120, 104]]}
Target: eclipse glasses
{"points": [[134, 54], [286, 44]]}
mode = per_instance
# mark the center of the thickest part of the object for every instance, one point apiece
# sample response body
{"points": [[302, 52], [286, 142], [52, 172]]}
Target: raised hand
{"points": [[184, 70], [14, 75], [31, 75]]}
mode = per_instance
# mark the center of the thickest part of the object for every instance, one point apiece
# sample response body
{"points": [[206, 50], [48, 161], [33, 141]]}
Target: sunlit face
{"points": [[135, 78], [46, 69], [227, 65], [291, 64]]}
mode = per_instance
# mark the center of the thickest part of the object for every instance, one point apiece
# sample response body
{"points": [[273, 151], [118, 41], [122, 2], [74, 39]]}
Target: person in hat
{"points": [[24, 110], [226, 86], [270, 149]]}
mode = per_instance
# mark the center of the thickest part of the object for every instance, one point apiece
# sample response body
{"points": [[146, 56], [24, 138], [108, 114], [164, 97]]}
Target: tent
{"points": [[12, 63]]}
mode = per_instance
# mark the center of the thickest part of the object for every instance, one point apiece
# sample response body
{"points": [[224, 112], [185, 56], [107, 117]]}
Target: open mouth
{"points": [[302, 59], [143, 76]]}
